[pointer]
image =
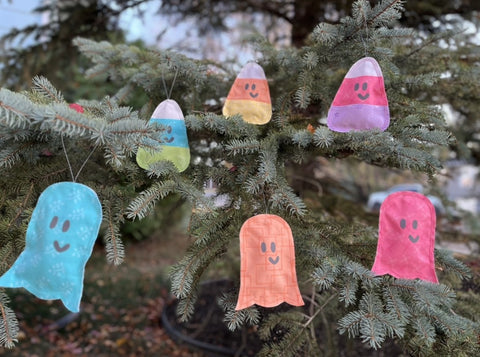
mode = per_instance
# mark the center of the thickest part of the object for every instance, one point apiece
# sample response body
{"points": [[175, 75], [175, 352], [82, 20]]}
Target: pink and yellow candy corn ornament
{"points": [[250, 96], [361, 101]]}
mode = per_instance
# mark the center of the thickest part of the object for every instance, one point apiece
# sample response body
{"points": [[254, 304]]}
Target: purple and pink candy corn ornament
{"points": [[361, 102]]}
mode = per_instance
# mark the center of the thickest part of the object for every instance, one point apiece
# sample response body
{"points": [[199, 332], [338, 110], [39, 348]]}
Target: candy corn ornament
{"points": [[250, 96], [361, 101], [174, 139]]}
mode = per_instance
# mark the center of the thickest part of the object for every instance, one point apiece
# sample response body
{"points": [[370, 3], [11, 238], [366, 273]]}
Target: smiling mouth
{"points": [[363, 97], [60, 249], [413, 240], [274, 261], [253, 95]]}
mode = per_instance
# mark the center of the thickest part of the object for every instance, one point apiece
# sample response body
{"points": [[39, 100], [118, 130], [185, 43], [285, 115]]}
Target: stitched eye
{"points": [[54, 222], [66, 226], [264, 247], [246, 86], [364, 86], [254, 86], [403, 223], [357, 86], [273, 247], [415, 224]]}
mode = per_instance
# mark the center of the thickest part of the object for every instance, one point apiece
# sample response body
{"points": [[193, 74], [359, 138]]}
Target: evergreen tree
{"points": [[251, 164]]}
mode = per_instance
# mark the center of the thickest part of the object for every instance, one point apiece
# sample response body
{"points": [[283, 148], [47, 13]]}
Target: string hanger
{"points": [[75, 177], [169, 93], [365, 42]]}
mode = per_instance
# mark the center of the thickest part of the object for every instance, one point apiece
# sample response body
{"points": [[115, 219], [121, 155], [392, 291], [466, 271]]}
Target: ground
{"points": [[120, 310]]}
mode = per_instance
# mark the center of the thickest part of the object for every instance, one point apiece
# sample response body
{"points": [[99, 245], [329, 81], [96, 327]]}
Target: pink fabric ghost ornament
{"points": [[267, 272], [406, 237], [361, 101]]}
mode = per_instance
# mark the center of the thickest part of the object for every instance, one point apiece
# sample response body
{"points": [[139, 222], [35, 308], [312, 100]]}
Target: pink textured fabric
{"points": [[267, 274], [406, 237]]}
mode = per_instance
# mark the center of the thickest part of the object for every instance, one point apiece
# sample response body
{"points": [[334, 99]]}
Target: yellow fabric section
{"points": [[252, 112], [179, 156]]}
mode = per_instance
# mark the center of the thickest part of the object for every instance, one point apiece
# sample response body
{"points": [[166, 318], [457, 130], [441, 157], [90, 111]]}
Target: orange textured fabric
{"points": [[267, 275]]}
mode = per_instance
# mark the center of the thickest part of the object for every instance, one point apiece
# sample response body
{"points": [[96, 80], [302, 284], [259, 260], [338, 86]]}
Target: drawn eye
{"points": [[66, 226], [54, 222], [273, 247], [415, 224], [264, 247], [403, 224], [254, 86], [246, 86], [357, 86], [364, 86]]}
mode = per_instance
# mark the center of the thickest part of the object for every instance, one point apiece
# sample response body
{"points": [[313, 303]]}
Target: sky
{"points": [[18, 14]]}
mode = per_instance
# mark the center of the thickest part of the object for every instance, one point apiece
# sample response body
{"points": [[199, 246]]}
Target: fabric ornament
{"points": [[174, 141], [250, 96], [406, 237], [59, 241], [361, 101], [267, 272]]}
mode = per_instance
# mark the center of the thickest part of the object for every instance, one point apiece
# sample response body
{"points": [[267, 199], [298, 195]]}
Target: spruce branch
{"points": [[8, 323], [445, 259], [43, 87], [235, 319], [114, 244], [142, 205]]}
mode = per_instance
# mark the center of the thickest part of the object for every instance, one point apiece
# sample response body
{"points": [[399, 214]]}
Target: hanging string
{"points": [[75, 177], [173, 83], [265, 202], [169, 93], [165, 86], [68, 161], [365, 44], [85, 162]]}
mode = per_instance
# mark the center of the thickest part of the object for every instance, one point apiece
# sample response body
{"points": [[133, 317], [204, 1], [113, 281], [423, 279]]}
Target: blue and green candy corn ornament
{"points": [[173, 141]]}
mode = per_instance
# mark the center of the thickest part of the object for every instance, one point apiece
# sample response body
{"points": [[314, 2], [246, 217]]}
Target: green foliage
{"points": [[8, 323], [43, 142]]}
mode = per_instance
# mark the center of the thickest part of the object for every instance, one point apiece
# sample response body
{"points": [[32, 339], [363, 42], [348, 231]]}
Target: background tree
{"points": [[335, 245]]}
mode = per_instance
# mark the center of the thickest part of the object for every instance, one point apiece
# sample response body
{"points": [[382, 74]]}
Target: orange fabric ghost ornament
{"points": [[267, 274], [250, 96], [406, 237]]}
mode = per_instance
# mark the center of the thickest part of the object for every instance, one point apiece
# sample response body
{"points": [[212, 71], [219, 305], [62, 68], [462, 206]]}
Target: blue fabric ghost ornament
{"points": [[59, 241]]}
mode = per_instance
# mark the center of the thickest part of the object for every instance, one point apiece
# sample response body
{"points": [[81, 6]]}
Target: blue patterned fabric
{"points": [[59, 241]]}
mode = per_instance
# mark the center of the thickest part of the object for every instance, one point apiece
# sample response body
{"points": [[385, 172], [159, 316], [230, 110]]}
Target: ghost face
{"points": [[406, 237], [59, 241], [62, 220], [273, 248], [268, 275], [404, 226], [65, 227]]}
